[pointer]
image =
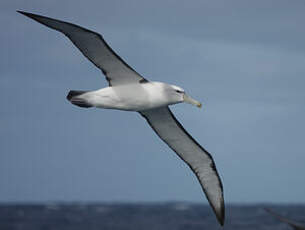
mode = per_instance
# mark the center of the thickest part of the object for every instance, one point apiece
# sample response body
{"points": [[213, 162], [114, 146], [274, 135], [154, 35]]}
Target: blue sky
{"points": [[245, 60]]}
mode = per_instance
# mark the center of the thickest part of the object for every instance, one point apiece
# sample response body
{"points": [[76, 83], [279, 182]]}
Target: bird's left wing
{"points": [[93, 47], [163, 122]]}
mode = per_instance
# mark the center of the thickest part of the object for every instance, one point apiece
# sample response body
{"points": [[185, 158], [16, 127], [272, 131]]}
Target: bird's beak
{"points": [[188, 99]]}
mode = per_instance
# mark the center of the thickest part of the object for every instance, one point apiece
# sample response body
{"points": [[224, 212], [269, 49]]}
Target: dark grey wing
{"points": [[94, 47], [295, 225], [198, 159]]}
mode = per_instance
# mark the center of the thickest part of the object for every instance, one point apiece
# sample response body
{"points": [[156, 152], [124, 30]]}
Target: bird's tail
{"points": [[75, 97]]}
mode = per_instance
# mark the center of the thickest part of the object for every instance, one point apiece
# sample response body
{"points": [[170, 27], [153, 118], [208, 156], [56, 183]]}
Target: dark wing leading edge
{"points": [[94, 47], [163, 122]]}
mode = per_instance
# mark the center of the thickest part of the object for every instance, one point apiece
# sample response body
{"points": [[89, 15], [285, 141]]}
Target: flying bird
{"points": [[129, 91], [295, 225]]}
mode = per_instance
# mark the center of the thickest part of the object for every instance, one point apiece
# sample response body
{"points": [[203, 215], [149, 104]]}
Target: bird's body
{"points": [[129, 91], [130, 97]]}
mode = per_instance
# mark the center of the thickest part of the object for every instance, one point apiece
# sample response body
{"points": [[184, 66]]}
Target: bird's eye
{"points": [[179, 91]]}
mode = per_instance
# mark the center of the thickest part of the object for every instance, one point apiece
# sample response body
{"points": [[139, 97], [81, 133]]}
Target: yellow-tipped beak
{"points": [[188, 99]]}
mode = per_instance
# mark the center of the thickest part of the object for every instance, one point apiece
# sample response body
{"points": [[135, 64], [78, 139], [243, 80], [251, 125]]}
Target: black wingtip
{"points": [[218, 208], [222, 221], [30, 15], [23, 12], [221, 216]]}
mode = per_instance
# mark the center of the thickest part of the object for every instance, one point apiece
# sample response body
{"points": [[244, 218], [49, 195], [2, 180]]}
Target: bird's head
{"points": [[179, 93]]}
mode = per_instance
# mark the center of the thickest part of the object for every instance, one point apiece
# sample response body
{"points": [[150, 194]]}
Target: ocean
{"points": [[151, 216]]}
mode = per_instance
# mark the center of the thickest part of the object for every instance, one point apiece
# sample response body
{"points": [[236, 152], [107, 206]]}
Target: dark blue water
{"points": [[143, 217]]}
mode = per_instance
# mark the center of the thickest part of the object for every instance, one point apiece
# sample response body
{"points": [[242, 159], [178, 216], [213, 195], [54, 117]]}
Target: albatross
{"points": [[129, 91]]}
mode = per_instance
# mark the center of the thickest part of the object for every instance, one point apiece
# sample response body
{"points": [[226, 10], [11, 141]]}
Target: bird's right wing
{"points": [[163, 122], [94, 47]]}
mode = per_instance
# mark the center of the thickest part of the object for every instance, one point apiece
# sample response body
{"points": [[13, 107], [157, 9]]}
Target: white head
{"points": [[177, 94]]}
